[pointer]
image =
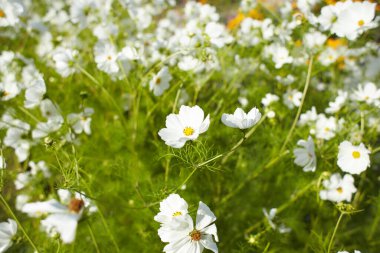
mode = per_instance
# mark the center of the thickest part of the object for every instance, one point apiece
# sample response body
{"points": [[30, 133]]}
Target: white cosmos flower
{"points": [[161, 81], [338, 189], [308, 117], [184, 126], [355, 251], [353, 159], [367, 93], [305, 156], [35, 92], [218, 34], [106, 58], [190, 239], [54, 120], [338, 103], [190, 63], [325, 128], [81, 122], [240, 119], [64, 61], [10, 12], [7, 231], [171, 208], [279, 54], [62, 217], [16, 137], [9, 88], [292, 98], [269, 99], [355, 19], [329, 14]]}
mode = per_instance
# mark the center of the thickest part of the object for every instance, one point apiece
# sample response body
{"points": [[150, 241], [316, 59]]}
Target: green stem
{"points": [[93, 237], [335, 229], [374, 151], [18, 223], [300, 107]]}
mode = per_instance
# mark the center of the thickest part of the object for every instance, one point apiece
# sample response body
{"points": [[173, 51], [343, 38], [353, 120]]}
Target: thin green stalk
{"points": [[28, 113], [284, 206], [374, 151], [89, 75], [335, 229], [93, 237], [300, 107], [253, 175], [18, 223]]}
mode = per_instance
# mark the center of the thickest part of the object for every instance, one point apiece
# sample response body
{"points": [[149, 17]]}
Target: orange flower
{"points": [[235, 22], [335, 43]]}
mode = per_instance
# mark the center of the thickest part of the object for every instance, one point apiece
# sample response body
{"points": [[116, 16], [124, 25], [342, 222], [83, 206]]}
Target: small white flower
{"points": [[9, 88], [240, 119], [190, 63], [187, 125], [10, 12], [367, 93], [336, 105], [106, 58], [218, 34], [35, 92], [64, 61], [309, 116], [305, 156], [325, 127], [269, 99], [7, 231], [353, 159], [81, 122], [161, 81], [171, 208], [292, 98], [338, 189], [279, 54]]}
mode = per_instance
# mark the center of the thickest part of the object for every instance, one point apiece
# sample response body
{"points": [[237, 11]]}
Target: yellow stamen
{"points": [[2, 14], [361, 22], [339, 190], [188, 131], [158, 81], [177, 214], [356, 154]]}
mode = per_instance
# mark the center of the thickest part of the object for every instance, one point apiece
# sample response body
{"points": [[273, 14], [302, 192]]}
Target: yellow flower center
{"points": [[188, 131], [177, 214], [361, 22], [327, 129], [195, 235], [158, 81], [339, 190], [109, 57], [356, 154], [2, 14]]}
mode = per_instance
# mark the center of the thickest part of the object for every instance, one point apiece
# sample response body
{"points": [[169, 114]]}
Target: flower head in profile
{"points": [[160, 82], [188, 124], [367, 93], [7, 231], [353, 159], [338, 189], [240, 119], [305, 155], [62, 216]]}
